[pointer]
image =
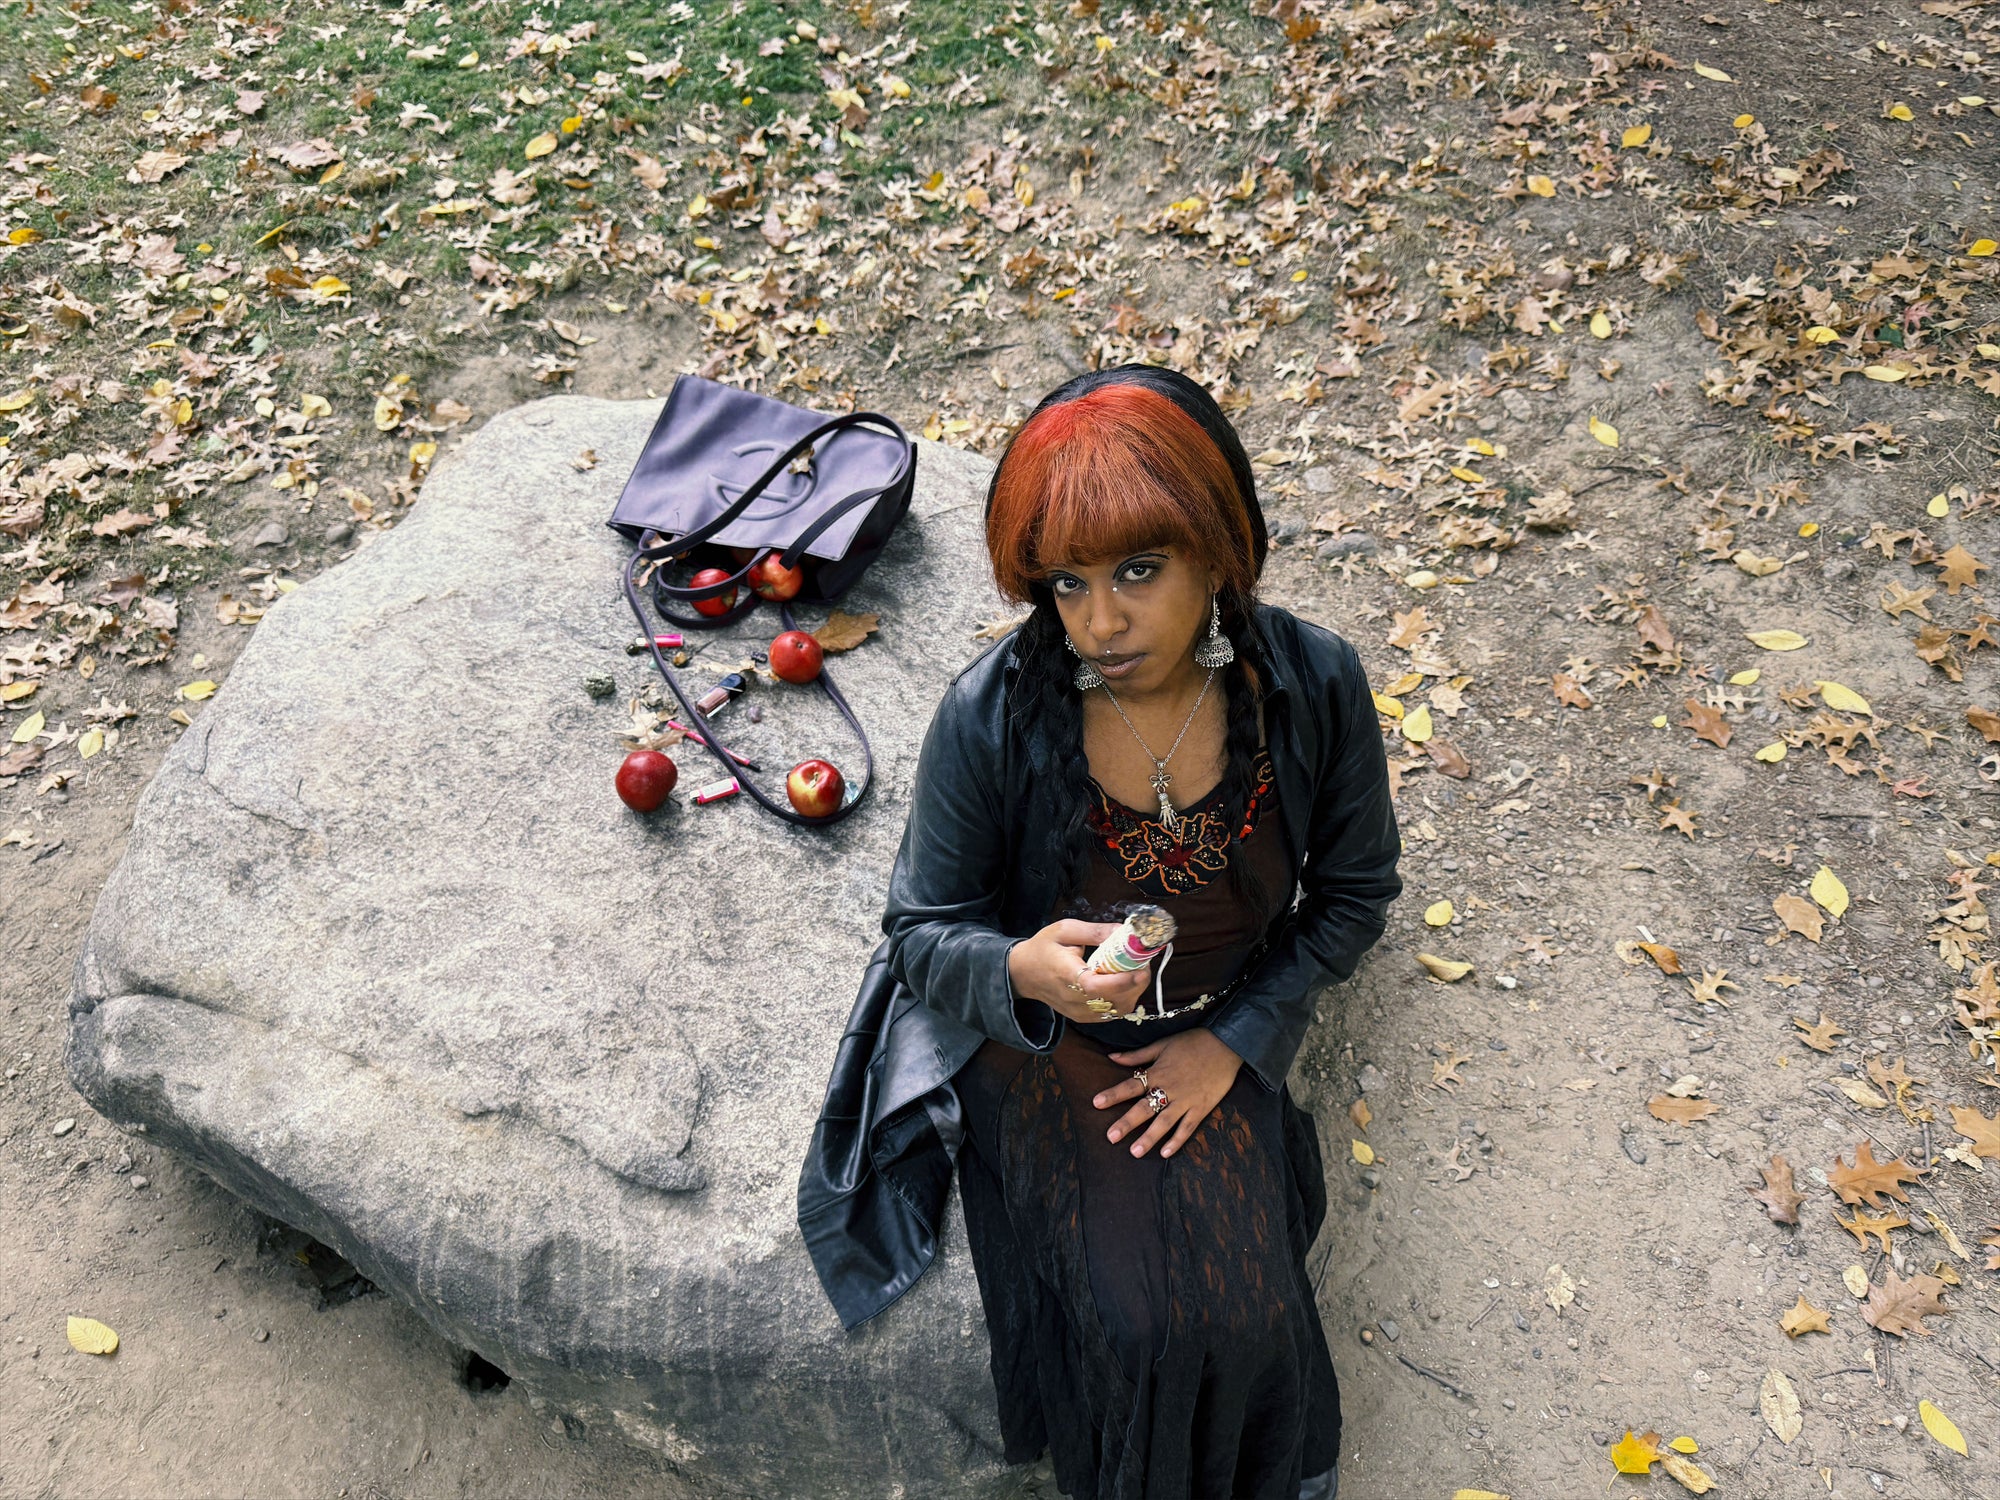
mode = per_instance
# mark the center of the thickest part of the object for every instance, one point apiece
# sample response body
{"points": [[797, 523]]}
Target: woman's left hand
{"points": [[1195, 1068]]}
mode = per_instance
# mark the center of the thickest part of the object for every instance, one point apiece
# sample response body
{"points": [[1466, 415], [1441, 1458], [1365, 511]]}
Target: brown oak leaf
{"points": [[1868, 1178], [1780, 1197], [1958, 569], [1653, 630], [1680, 1111], [1710, 986], [1820, 1037], [1411, 627], [1676, 817], [1861, 1226], [1707, 723], [1986, 722], [1898, 1306], [1570, 693], [843, 632], [1982, 1130], [1799, 915], [1897, 601], [1803, 1317]]}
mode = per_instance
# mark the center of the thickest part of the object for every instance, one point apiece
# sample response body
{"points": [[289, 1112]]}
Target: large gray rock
{"points": [[387, 957]]}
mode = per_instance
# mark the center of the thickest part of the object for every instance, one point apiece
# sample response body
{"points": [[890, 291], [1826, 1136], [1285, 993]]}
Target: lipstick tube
{"points": [[669, 641], [725, 688], [715, 791], [700, 739]]}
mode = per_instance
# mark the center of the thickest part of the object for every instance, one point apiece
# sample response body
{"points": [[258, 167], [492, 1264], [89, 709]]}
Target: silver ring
{"points": [[1144, 1081], [1157, 1098]]}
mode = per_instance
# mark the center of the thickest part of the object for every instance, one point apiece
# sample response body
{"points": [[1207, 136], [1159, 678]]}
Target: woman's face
{"points": [[1137, 618]]}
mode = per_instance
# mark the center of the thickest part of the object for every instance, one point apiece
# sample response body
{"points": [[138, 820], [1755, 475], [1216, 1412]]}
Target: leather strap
{"points": [[701, 722]]}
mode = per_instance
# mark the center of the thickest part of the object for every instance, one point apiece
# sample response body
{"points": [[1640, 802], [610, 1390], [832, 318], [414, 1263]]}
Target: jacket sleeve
{"points": [[945, 891], [1349, 880]]}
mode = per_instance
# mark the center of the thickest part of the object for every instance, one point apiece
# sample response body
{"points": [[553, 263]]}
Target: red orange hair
{"points": [[1114, 471]]}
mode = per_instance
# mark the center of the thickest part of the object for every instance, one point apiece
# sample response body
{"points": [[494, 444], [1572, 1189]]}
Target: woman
{"points": [[1139, 1188]]}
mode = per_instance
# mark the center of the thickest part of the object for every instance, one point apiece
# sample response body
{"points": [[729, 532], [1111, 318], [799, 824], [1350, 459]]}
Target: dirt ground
{"points": [[1571, 366]]}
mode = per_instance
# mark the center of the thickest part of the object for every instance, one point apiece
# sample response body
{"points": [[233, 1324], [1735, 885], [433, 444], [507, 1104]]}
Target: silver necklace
{"points": [[1161, 780]]}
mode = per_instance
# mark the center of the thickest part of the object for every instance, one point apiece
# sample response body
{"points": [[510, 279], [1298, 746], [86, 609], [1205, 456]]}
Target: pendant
{"points": [[1161, 781]]}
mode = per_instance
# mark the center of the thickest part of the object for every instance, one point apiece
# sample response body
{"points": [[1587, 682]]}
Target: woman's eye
{"points": [[1140, 572], [1062, 588]]}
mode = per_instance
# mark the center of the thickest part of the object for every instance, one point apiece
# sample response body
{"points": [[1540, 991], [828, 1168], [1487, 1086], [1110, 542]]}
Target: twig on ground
{"points": [[1482, 1317], [1430, 1374]]}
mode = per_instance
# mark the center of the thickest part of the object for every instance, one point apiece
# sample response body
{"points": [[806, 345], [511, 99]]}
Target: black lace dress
{"points": [[1152, 1320]]}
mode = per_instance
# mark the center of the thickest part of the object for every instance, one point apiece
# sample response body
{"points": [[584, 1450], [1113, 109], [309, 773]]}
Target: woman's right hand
{"points": [[1045, 966]]}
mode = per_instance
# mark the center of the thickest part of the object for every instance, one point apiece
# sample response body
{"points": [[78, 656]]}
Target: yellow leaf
{"points": [[329, 286], [17, 400], [1477, 1495], [13, 690], [196, 691], [1482, 447], [1636, 135], [1690, 1475], [315, 406], [572, 125], [1939, 507], [1635, 1455], [1744, 679], [1776, 640], [23, 236], [1886, 373], [332, 172], [1604, 432], [1810, 529], [1820, 334], [1438, 914], [1744, 122], [1713, 75], [1755, 566], [1845, 699], [470, 60], [1900, 112], [1409, 682], [1468, 476], [1600, 326], [1541, 187], [1450, 970], [1772, 753], [1363, 1153], [1659, 721], [541, 145], [1936, 1423], [388, 412], [1827, 890], [1982, 247], [1389, 706], [88, 1336], [1685, 1445], [1417, 725], [422, 453], [91, 742], [29, 727]]}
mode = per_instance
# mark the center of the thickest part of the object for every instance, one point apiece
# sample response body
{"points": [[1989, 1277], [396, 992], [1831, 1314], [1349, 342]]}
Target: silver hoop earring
{"points": [[1217, 650], [1086, 676]]}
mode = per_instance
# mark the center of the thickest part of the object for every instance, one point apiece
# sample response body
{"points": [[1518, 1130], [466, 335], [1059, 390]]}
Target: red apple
{"points": [[721, 603], [796, 657], [815, 787], [645, 779], [771, 579]]}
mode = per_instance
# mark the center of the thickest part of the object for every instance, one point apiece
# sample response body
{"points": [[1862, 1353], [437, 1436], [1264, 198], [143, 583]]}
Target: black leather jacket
{"points": [[972, 878]]}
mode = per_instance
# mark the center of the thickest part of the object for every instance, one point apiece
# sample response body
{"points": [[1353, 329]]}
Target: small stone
{"points": [[1521, 1321], [1371, 1177], [138, 1181], [1367, 1335], [271, 534], [1635, 1149], [1371, 1079], [1348, 544], [754, 713], [600, 685], [63, 1127], [1319, 480], [1508, 1402], [1496, 1045], [1390, 1330], [339, 533], [1286, 530], [262, 1335]]}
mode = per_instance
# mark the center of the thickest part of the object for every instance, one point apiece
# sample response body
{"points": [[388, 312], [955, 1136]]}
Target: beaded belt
{"points": [[1203, 1002]]}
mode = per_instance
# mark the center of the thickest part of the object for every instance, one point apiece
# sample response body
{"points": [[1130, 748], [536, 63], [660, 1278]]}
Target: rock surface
{"points": [[389, 959]]}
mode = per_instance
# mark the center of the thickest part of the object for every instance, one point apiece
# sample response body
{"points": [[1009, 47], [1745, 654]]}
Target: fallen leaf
{"points": [[1771, 754], [1680, 1111], [1668, 960], [1803, 1317], [1820, 1036], [1636, 1455], [1438, 914], [1777, 640], [1860, 1093], [1986, 722], [1779, 1403], [541, 145], [1687, 1472], [1827, 890], [1799, 915], [1868, 1178], [1449, 970], [29, 727], [1707, 723], [1569, 692], [1756, 566], [1636, 135], [88, 1336], [1363, 1152], [1982, 1130], [1941, 1427], [1708, 989], [1833, 695], [196, 691], [1960, 569], [1861, 1226], [1899, 1306], [1780, 1197], [1444, 1070], [120, 523], [1714, 75], [1604, 432], [1416, 725], [843, 632], [1360, 1114], [1410, 627]]}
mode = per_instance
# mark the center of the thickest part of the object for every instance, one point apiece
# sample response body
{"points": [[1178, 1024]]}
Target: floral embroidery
{"points": [[1158, 862]]}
